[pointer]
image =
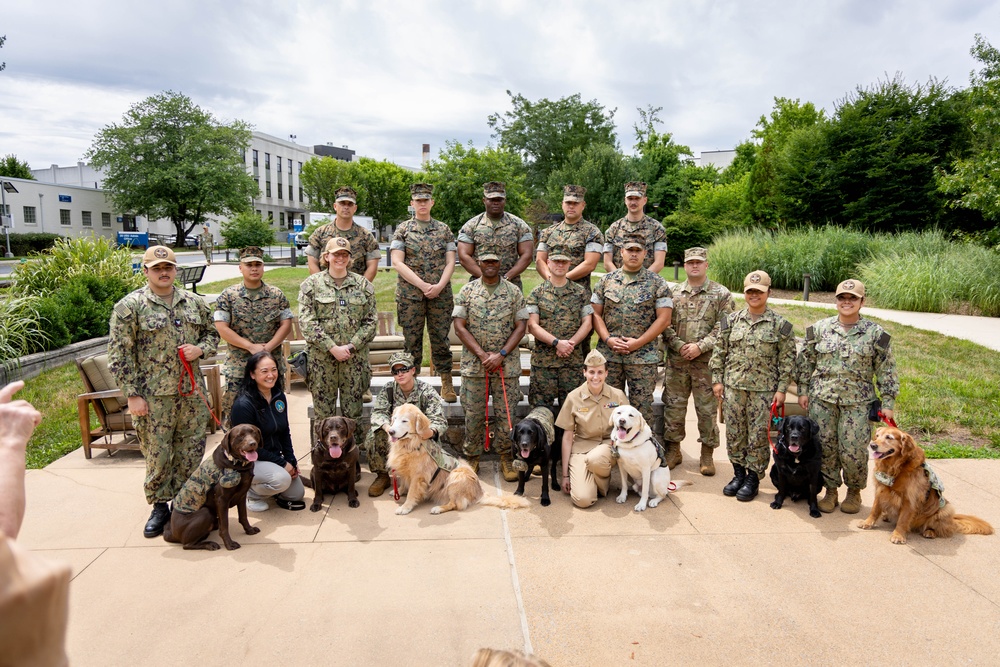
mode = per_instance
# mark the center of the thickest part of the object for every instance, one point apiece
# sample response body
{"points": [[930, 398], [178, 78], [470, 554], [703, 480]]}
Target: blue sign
{"points": [[65, 198], [134, 239], [298, 225]]}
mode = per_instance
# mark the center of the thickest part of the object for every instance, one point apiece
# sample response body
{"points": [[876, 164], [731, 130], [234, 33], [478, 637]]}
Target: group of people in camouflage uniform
{"points": [[745, 358]]}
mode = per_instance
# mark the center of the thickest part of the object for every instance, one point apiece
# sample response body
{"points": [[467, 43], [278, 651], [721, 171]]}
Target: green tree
{"points": [[321, 176], [663, 165], [545, 132], [603, 170], [11, 167], [383, 190], [169, 158], [458, 176], [973, 181], [246, 229]]}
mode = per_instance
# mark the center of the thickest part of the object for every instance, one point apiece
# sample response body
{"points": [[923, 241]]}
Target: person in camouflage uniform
{"points": [[403, 388], [699, 304], [366, 253], [578, 239], [632, 307], [839, 360], [636, 224], [338, 319], [507, 236], [559, 318], [207, 243], [423, 251], [251, 317], [751, 367], [148, 328], [490, 319]]}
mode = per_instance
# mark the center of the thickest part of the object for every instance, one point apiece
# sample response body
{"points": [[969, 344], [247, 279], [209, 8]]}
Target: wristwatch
{"points": [[503, 352], [555, 342]]}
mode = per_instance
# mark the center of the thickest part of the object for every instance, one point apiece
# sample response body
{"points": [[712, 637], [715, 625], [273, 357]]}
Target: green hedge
{"points": [[23, 245]]}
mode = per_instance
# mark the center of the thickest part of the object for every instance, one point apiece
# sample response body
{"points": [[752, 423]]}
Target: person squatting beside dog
{"points": [[841, 360], [585, 418], [403, 388], [148, 327], [751, 366]]}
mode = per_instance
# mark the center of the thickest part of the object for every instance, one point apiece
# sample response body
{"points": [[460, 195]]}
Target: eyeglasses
{"points": [[400, 371]]}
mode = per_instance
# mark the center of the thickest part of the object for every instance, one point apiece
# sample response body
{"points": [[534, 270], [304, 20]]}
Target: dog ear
{"points": [[319, 429], [909, 445], [814, 429], [351, 425], [642, 421], [227, 441], [422, 422], [611, 420]]}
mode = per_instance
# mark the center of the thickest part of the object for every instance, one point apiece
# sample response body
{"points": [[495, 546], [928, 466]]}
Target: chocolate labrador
{"points": [[334, 461], [220, 482]]}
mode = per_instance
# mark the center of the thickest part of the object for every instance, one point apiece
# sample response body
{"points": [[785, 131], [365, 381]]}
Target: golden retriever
{"points": [[420, 476], [903, 491]]}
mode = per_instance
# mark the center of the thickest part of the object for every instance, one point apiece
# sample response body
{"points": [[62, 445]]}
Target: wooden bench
{"points": [[190, 275]]}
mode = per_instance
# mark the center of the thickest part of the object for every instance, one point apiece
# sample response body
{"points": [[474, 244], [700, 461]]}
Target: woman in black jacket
{"points": [[263, 404]]}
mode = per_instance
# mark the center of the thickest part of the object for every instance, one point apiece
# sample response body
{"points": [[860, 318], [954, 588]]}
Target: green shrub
{"points": [[50, 317], [734, 255], [23, 245], [246, 229], [687, 230], [67, 258], [21, 329]]}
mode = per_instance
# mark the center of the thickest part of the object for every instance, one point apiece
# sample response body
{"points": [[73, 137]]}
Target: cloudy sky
{"points": [[385, 76]]}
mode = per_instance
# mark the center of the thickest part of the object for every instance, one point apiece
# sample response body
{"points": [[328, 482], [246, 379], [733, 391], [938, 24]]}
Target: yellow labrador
{"points": [[638, 459]]}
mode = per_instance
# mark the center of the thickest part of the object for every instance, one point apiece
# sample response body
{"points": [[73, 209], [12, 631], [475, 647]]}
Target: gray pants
{"points": [[270, 479]]}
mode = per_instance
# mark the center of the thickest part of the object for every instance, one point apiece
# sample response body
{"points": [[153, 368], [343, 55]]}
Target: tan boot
{"points": [[367, 396], [447, 388], [674, 456], [829, 501], [507, 467], [706, 465], [852, 503], [380, 484], [474, 462]]}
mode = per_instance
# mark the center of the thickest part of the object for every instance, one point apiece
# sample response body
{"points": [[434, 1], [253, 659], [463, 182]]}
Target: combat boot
{"points": [[474, 462], [507, 467], [379, 486], [740, 474], [448, 388], [748, 491], [706, 465], [367, 396], [158, 518], [829, 501], [852, 503], [673, 452]]}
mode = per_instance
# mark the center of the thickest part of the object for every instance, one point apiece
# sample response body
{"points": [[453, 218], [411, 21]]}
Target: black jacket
{"points": [[272, 420]]}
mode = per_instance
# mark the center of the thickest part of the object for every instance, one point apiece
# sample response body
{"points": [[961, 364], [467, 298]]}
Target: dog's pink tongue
{"points": [[336, 451], [793, 448], [250, 456], [622, 434], [525, 453]]}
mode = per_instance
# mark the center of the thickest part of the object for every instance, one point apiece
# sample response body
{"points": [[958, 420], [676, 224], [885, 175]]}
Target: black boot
{"points": [[157, 520], [737, 481], [749, 489]]}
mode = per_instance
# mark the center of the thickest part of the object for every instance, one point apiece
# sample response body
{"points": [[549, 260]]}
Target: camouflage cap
{"points": [[401, 359], [559, 254], [574, 192], [696, 254], [347, 194], [421, 191], [757, 280], [488, 254], [635, 189], [633, 242], [494, 190], [336, 244], [251, 253], [158, 254], [595, 358], [851, 286]]}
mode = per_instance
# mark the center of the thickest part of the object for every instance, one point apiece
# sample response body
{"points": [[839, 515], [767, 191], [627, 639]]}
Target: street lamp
{"points": [[7, 219]]}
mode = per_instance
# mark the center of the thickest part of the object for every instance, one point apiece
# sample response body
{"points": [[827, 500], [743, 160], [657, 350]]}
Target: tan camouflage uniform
{"points": [[836, 369], [194, 493], [501, 238], [696, 316], [391, 397], [490, 318], [630, 305], [650, 230], [574, 240], [330, 315], [142, 355], [752, 360], [207, 243], [560, 311], [425, 245], [254, 315], [363, 246]]}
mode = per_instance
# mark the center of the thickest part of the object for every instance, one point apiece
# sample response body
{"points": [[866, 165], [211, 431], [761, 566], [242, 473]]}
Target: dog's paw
{"points": [[775, 505], [519, 492], [640, 506], [436, 509], [315, 507], [354, 502], [403, 510], [867, 524], [815, 513], [252, 530], [930, 534], [621, 497], [232, 545], [897, 538], [546, 502], [653, 502], [210, 546]]}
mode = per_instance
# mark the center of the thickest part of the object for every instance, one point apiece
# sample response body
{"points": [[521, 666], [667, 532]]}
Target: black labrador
{"points": [[797, 459], [532, 447]]}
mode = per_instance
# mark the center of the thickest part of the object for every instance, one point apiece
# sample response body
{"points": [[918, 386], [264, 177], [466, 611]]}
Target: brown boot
{"points": [[706, 465], [507, 467], [380, 484], [674, 456], [852, 503], [447, 388], [829, 501], [474, 462]]}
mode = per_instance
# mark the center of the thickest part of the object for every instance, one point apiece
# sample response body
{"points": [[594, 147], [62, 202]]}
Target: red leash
{"points": [[887, 420], [486, 440], [395, 486], [772, 418], [189, 375]]}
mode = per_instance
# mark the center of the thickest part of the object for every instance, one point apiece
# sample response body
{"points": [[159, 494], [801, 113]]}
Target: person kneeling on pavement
{"points": [[403, 388], [262, 404]]}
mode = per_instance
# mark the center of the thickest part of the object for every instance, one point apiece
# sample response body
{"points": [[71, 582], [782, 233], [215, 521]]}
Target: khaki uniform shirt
{"points": [[331, 315], [588, 417], [630, 305], [363, 245], [424, 245], [621, 230], [754, 356], [254, 315], [491, 319], [501, 237], [696, 316], [576, 240]]}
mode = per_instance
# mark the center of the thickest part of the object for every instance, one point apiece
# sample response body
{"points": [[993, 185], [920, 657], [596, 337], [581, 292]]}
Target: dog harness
{"points": [[221, 469], [932, 477], [660, 451]]}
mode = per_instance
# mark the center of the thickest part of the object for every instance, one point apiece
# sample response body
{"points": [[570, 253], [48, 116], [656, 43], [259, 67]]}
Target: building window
{"points": [[301, 193], [259, 214], [300, 167], [87, 220], [267, 160], [281, 219], [289, 166], [29, 215], [255, 157], [290, 196], [267, 188], [270, 217], [105, 220], [279, 164], [64, 217], [243, 152], [280, 191]]}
